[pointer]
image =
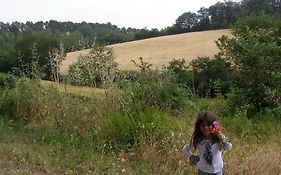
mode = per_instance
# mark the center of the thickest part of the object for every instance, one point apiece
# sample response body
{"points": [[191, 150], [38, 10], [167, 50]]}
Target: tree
{"points": [[44, 43], [180, 69], [224, 14], [145, 33], [271, 7], [207, 72], [56, 56], [203, 19], [254, 50], [186, 22]]}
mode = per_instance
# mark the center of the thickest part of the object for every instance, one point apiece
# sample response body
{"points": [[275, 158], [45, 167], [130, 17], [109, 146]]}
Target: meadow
{"points": [[50, 131]]}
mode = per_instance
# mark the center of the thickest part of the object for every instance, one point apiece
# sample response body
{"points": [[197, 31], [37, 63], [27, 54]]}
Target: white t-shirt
{"points": [[217, 163]]}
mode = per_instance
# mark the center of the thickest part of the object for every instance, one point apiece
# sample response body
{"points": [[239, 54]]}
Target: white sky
{"points": [[123, 13]]}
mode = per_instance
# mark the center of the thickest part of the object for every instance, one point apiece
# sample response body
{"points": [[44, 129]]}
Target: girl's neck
{"points": [[208, 137]]}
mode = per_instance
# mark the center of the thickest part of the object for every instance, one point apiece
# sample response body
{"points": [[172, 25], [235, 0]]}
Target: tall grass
{"points": [[48, 132]]}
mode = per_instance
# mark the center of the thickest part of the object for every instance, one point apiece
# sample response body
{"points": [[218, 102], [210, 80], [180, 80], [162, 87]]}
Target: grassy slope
{"points": [[160, 50]]}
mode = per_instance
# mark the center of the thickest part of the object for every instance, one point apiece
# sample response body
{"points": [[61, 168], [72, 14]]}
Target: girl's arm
{"points": [[193, 159], [187, 149], [226, 144]]}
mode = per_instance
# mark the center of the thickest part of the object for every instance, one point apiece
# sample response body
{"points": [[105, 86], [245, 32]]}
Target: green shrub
{"points": [[267, 124], [7, 81], [97, 69], [22, 102], [254, 51], [239, 124], [157, 89]]}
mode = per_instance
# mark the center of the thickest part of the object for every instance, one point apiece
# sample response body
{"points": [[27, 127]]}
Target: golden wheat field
{"points": [[159, 51]]}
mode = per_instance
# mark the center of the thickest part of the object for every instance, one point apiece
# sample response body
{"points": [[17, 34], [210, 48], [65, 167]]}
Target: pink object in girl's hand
{"points": [[216, 127]]}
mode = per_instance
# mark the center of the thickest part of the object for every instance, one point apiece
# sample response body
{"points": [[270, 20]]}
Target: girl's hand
{"points": [[217, 131], [193, 160], [222, 137]]}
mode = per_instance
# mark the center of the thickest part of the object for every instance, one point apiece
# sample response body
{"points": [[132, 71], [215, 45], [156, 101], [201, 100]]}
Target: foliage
{"points": [[270, 7], [34, 49], [96, 69], [223, 14], [143, 65], [158, 90], [7, 81], [180, 69], [211, 72], [125, 129], [146, 33], [17, 36], [254, 50], [18, 103], [186, 22], [55, 59]]}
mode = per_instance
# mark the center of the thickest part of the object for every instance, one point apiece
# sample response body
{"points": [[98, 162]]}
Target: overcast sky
{"points": [[123, 13]]}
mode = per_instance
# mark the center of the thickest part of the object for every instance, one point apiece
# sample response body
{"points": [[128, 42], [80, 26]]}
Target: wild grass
{"points": [[49, 132], [76, 90]]}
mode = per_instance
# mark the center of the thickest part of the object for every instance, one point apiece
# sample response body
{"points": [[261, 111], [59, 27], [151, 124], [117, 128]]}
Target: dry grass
{"points": [[251, 159], [160, 50], [77, 90]]}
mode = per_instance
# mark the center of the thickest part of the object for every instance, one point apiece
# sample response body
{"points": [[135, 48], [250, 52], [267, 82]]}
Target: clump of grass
{"points": [[125, 129]]}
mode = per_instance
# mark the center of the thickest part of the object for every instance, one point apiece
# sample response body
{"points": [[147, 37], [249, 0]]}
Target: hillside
{"points": [[160, 50]]}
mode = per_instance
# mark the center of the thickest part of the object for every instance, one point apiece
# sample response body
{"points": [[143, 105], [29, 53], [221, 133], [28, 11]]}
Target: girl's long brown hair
{"points": [[197, 135]]}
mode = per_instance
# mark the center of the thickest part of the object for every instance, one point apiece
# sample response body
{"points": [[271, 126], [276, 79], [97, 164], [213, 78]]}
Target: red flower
{"points": [[216, 128]]}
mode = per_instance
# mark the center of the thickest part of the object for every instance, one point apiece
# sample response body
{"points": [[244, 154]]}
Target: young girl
{"points": [[209, 141]]}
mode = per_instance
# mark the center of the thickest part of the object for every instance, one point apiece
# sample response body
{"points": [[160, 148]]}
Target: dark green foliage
{"points": [[186, 22], [159, 90], [255, 52], [180, 69], [203, 19], [223, 14], [19, 37], [270, 7], [35, 48], [7, 81], [7, 41], [146, 33], [209, 73]]}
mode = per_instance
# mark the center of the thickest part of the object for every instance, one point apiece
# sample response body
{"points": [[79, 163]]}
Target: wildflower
{"points": [[216, 127]]}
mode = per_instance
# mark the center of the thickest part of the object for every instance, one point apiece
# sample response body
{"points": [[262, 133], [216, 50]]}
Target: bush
{"points": [[125, 129], [7, 81], [96, 69], [239, 124], [254, 50], [158, 90]]}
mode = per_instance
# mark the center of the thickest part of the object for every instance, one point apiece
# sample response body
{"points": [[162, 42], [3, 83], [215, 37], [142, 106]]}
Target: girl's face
{"points": [[206, 128]]}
